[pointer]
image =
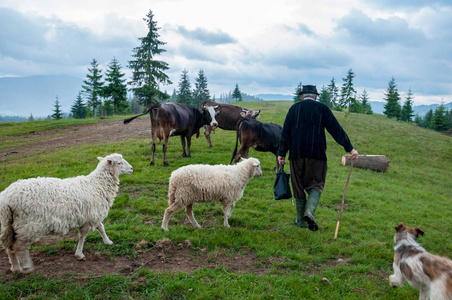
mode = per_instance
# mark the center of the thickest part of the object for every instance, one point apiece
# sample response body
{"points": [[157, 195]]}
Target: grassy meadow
{"points": [[416, 189]]}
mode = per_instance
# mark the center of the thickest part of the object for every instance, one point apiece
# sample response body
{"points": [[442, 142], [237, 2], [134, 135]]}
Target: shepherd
{"points": [[303, 135]]}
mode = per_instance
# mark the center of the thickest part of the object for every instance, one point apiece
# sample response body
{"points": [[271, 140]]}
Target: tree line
{"points": [[348, 99]]}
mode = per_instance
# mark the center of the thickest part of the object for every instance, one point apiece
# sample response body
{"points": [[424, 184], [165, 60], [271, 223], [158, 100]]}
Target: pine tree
{"points": [[116, 89], [418, 120], [392, 106], [184, 94], [57, 114], [78, 109], [427, 121], [348, 93], [297, 96], [407, 113], [366, 107], [30, 118], [439, 120], [334, 92], [325, 97], [148, 72], [200, 93], [449, 119], [236, 94], [93, 86], [174, 96]]}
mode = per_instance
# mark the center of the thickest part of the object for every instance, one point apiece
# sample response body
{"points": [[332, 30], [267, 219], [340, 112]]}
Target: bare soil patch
{"points": [[165, 255], [68, 136]]}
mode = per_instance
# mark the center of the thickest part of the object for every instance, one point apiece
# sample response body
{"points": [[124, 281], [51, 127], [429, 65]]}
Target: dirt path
{"points": [[50, 140]]}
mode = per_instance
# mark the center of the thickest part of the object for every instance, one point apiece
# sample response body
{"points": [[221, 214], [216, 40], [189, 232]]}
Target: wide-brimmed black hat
{"points": [[309, 89]]}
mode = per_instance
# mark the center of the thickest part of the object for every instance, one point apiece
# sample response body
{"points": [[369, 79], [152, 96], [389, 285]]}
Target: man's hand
{"points": [[353, 155], [282, 160]]}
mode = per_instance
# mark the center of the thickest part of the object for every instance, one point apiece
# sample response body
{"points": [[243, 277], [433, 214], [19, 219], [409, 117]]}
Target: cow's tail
{"points": [[7, 233], [237, 129], [127, 121]]}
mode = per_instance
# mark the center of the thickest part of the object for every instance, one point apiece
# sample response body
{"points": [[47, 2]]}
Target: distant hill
{"points": [[22, 96], [377, 106], [274, 97]]}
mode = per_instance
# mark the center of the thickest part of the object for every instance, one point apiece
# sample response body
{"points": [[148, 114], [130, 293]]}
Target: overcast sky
{"points": [[264, 46]]}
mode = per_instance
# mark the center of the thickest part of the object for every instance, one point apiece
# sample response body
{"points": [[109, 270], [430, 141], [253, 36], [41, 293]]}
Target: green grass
{"points": [[417, 189]]}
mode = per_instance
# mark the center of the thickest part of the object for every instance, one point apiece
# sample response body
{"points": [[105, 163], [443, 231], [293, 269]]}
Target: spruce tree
{"points": [[30, 118], [78, 109], [407, 113], [174, 96], [116, 89], [200, 93], [392, 106], [297, 96], [236, 94], [439, 120], [366, 107], [334, 92], [348, 93], [325, 97], [57, 114], [148, 72], [184, 94], [427, 121], [93, 86]]}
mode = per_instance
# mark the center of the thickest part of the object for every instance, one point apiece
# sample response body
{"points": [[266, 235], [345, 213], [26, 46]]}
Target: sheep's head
{"points": [[257, 171], [117, 163]]}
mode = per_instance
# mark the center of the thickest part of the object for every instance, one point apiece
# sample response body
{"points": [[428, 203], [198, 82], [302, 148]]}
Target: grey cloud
{"points": [[53, 45], [206, 37], [361, 29]]}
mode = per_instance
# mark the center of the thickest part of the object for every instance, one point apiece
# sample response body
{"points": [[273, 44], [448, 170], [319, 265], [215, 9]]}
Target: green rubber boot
{"points": [[300, 204], [313, 201]]}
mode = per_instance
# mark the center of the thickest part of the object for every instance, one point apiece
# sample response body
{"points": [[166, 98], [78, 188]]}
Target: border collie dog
{"points": [[430, 274]]}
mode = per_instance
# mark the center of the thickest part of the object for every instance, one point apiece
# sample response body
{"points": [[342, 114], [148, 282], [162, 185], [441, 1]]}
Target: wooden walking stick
{"points": [[343, 200]]}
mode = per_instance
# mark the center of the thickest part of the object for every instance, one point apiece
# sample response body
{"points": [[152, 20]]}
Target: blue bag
{"points": [[281, 188]]}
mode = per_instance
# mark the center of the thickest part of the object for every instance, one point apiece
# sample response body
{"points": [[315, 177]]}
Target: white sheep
{"points": [[205, 183], [33, 208]]}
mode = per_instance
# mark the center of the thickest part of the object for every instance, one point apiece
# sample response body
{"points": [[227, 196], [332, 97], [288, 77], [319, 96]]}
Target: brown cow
{"points": [[170, 119], [261, 136], [227, 116]]}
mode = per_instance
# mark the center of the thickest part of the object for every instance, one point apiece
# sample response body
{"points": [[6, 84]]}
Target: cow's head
{"points": [[249, 113], [210, 112]]}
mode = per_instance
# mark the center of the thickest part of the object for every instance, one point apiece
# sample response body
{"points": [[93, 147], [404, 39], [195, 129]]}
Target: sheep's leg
{"points": [[83, 232], [14, 261], [190, 215], [101, 229], [169, 212], [227, 211], [20, 249]]}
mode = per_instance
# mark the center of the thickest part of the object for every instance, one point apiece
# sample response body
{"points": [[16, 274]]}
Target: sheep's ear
{"points": [[100, 158], [111, 162]]}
